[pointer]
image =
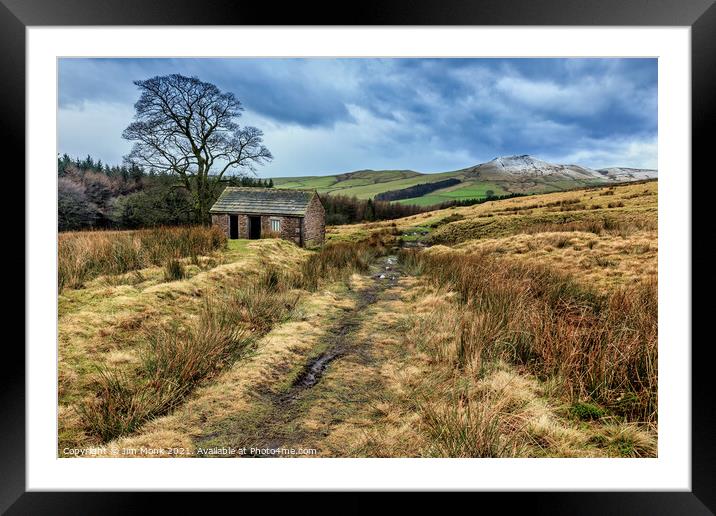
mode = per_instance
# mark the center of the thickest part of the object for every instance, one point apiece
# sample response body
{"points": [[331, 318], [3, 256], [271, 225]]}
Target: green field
{"points": [[317, 182], [466, 190], [364, 184]]}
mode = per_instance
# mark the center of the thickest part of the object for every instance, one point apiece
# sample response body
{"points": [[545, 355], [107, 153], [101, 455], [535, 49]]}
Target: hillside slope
{"points": [[502, 175]]}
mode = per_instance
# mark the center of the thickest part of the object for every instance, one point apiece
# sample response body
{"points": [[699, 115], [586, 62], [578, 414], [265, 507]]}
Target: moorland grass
{"points": [[85, 255], [173, 362], [471, 425], [603, 347], [598, 349], [597, 222], [336, 261]]}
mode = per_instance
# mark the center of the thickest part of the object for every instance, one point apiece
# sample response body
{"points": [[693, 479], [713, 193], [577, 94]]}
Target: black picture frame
{"points": [[700, 15]]}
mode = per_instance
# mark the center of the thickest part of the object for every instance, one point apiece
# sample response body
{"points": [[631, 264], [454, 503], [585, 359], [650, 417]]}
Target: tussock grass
{"points": [[473, 423], [587, 221], [174, 270], [602, 262], [626, 440], [339, 260], [262, 303], [536, 335], [174, 362], [603, 346], [84, 255], [120, 407], [470, 402]]}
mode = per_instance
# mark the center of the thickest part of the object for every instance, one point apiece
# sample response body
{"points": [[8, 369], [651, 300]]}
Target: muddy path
{"points": [[277, 422], [384, 274]]}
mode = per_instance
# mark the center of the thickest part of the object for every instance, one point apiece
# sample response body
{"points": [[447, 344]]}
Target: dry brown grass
{"points": [[232, 393], [602, 346], [470, 404], [105, 326], [604, 262], [84, 255], [423, 399], [170, 360], [173, 362], [640, 206], [472, 424], [338, 260], [530, 345], [549, 341], [619, 221]]}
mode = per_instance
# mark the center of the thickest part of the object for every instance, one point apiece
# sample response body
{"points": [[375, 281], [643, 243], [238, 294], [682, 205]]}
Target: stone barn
{"points": [[294, 215]]}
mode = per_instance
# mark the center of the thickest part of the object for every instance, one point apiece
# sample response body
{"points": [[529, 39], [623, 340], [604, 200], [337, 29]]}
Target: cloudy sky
{"points": [[324, 116]]}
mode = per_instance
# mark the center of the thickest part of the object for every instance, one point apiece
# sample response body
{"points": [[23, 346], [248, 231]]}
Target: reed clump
{"points": [[85, 255], [602, 346]]}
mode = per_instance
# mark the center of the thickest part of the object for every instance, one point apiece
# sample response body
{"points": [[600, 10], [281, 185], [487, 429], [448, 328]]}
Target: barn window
{"points": [[276, 225]]}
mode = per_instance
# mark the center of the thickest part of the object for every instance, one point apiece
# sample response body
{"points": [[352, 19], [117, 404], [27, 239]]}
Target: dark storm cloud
{"points": [[427, 114], [284, 90], [520, 106]]}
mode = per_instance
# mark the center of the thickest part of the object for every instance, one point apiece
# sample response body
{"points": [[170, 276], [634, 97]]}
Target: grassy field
{"points": [[518, 328], [471, 190], [350, 183], [85, 255], [362, 184]]}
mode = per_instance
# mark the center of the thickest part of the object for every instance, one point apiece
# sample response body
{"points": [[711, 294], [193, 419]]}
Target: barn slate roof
{"points": [[263, 201]]}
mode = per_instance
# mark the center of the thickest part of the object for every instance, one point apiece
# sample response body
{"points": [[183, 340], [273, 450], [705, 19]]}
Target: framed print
{"points": [[442, 248]]}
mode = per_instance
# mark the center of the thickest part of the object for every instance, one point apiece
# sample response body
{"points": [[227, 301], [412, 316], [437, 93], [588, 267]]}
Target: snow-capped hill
{"points": [[526, 166], [628, 174]]}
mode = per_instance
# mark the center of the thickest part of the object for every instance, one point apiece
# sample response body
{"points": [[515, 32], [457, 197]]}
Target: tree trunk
{"points": [[202, 195]]}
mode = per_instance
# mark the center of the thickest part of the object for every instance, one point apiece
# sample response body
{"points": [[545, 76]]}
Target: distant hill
{"points": [[501, 176], [628, 174]]}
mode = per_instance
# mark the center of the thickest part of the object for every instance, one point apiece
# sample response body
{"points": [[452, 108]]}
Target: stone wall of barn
{"points": [[314, 224], [290, 226], [243, 226], [221, 221]]}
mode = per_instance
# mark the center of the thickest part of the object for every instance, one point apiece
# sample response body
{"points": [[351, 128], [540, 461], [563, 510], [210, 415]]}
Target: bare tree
{"points": [[188, 127]]}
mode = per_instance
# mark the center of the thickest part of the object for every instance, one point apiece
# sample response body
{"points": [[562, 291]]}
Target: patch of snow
{"points": [[628, 174], [526, 165], [521, 164]]}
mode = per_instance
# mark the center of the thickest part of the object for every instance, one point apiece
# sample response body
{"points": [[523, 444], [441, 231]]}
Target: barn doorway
{"points": [[254, 228], [233, 227]]}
